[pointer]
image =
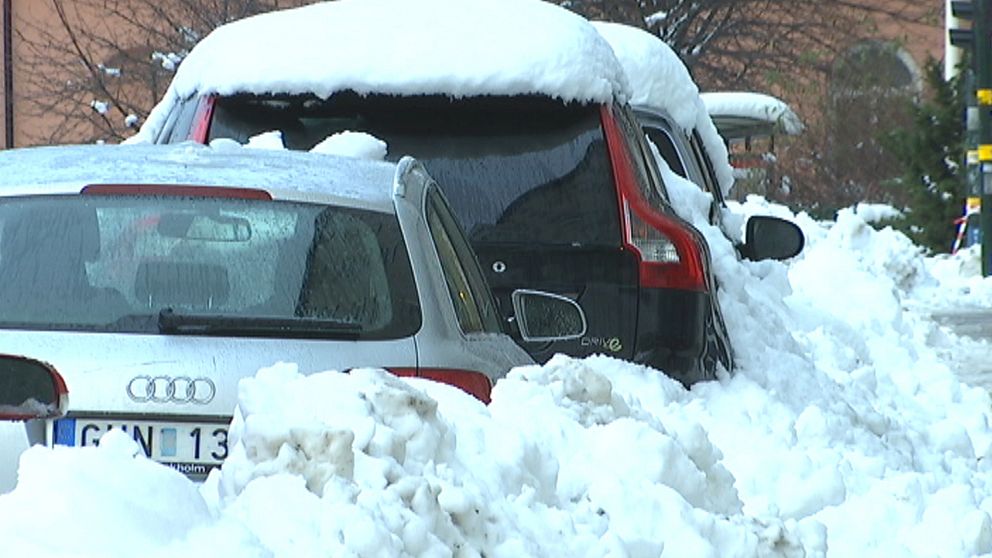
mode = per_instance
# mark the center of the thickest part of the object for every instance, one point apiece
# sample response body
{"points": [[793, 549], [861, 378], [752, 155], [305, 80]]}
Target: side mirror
{"points": [[545, 316], [30, 389], [767, 237]]}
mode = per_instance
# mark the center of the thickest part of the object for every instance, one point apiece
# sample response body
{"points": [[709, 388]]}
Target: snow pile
{"points": [[478, 47], [842, 433], [352, 144], [367, 463], [960, 280], [267, 140]]}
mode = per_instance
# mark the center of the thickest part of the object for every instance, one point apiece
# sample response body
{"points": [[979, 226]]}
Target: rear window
{"points": [[514, 169], [238, 267]]}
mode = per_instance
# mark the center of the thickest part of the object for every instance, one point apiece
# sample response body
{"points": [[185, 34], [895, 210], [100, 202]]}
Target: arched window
{"points": [[871, 88], [880, 68]]}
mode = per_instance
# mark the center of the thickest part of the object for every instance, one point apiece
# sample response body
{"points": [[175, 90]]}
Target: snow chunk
{"points": [[875, 212], [266, 140], [168, 60], [353, 144]]}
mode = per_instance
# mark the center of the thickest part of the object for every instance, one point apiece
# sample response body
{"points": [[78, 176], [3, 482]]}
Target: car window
{"points": [[709, 174], [114, 263], [514, 169], [469, 293], [649, 180], [662, 139], [180, 122]]}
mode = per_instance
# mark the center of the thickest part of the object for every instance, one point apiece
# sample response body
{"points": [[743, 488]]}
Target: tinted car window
{"points": [[649, 181], [513, 168], [469, 293], [115, 263], [666, 146], [709, 175], [180, 122]]}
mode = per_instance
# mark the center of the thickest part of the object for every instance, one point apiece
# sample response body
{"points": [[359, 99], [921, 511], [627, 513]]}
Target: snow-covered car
{"points": [[750, 122], [519, 110], [154, 278], [686, 141]]}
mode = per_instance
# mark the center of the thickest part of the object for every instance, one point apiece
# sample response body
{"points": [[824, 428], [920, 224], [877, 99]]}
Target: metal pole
{"points": [[983, 94], [8, 75], [952, 54]]}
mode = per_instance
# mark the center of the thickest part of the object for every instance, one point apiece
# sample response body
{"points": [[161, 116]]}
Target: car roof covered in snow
{"points": [[742, 113], [284, 174], [660, 81], [450, 47]]}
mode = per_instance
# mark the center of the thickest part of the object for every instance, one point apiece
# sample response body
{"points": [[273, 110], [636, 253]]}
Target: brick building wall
{"points": [[915, 41]]}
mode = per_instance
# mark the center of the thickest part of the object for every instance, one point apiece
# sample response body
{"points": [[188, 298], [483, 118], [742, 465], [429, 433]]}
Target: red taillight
{"points": [[201, 120], [669, 253], [473, 383]]}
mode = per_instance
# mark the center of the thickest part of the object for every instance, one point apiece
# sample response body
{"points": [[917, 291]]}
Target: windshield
{"points": [[225, 266], [514, 169]]}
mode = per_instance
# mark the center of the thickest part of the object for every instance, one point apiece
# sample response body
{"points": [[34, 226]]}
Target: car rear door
{"points": [[540, 208]]}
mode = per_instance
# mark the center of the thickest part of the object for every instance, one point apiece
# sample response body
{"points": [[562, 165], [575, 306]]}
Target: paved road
{"points": [[974, 359], [976, 324]]}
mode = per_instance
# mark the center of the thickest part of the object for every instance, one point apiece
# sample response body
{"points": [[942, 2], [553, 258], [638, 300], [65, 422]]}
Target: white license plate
{"points": [[192, 448]]}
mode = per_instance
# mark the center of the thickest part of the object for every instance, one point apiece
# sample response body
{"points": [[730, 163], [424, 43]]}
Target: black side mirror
{"points": [[767, 237], [542, 316], [30, 389]]}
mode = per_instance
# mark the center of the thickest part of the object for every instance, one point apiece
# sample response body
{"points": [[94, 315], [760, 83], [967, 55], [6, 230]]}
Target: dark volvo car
{"points": [[558, 196]]}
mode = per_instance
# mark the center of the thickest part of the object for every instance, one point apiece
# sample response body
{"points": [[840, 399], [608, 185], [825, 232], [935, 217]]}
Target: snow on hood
{"points": [[454, 47], [659, 80], [758, 106]]}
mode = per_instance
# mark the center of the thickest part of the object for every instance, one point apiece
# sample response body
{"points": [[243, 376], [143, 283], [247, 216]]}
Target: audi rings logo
{"points": [[165, 389]]}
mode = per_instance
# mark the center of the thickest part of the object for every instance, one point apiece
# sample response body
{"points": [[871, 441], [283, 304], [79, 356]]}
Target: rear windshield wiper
{"points": [[181, 323]]}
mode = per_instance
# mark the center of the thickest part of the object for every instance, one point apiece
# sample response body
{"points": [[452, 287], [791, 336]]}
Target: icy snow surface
{"points": [[843, 433], [402, 48]]}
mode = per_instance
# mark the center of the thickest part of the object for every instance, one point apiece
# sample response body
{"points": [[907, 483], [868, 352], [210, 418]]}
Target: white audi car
{"points": [[153, 278]]}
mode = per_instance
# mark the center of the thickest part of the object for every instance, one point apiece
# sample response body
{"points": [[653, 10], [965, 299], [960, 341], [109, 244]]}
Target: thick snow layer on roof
{"points": [[67, 168], [455, 47], [758, 106], [659, 80]]}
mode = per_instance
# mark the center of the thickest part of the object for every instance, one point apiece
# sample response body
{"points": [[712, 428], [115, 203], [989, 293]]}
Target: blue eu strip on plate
{"points": [[65, 432]]}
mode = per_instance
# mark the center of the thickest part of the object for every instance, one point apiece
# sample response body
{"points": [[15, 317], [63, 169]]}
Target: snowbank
{"points": [[843, 433]]}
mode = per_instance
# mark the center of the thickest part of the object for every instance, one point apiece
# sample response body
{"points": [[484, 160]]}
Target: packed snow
{"points": [[842, 433]]}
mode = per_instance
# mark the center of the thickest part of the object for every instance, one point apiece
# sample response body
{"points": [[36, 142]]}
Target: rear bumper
{"points": [[678, 333]]}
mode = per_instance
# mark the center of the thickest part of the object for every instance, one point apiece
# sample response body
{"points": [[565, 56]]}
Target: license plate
{"points": [[192, 448]]}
